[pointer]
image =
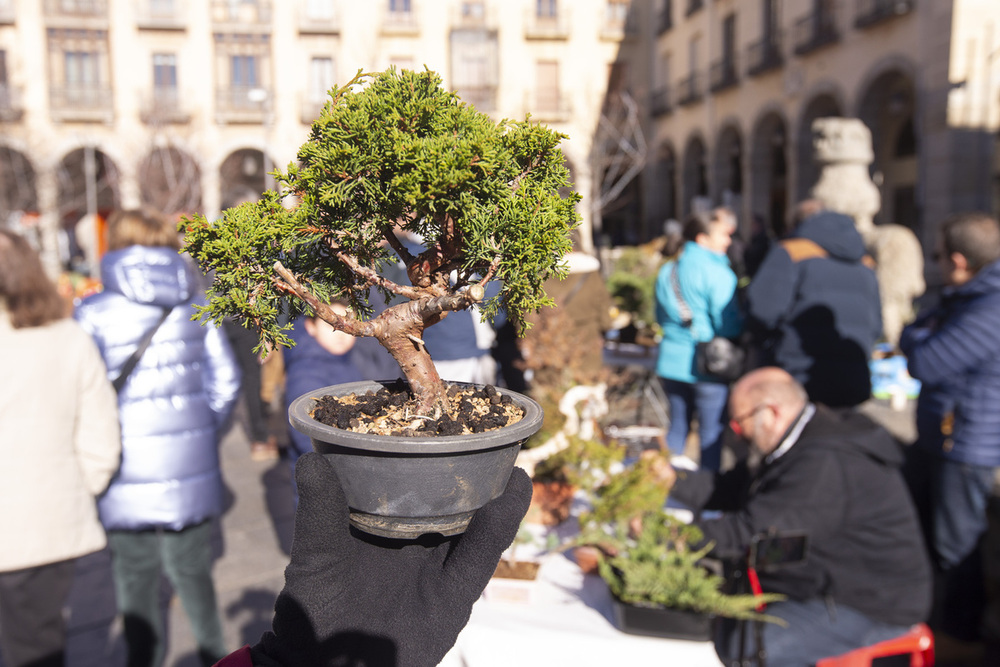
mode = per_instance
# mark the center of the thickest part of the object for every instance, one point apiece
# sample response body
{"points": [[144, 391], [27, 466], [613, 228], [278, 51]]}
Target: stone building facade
{"points": [[186, 105], [736, 84]]}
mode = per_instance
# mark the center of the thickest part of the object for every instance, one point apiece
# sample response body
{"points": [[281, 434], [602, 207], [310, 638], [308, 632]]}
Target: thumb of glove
{"points": [[493, 528]]}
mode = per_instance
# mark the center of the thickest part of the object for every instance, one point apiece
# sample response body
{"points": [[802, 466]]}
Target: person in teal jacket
{"points": [[708, 286]]}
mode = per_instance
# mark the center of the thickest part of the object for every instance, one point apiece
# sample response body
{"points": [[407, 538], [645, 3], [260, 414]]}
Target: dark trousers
{"points": [[138, 558], [951, 499], [32, 627], [243, 342], [815, 630], [707, 400]]}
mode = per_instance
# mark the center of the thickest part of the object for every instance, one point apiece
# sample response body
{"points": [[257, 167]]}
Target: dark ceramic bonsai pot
{"points": [[656, 621], [404, 486]]}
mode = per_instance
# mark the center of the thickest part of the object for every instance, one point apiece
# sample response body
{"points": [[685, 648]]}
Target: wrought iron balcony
{"points": [[474, 15], [616, 28], [76, 14], [84, 103], [242, 15], [549, 106], [243, 104], [660, 103], [547, 27], [484, 98], [310, 107], [764, 55], [816, 29], [401, 22], [723, 74], [312, 23], [871, 12], [163, 107], [689, 89], [161, 15], [80, 8]]}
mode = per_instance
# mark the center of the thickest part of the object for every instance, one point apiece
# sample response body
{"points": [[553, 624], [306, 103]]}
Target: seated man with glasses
{"points": [[834, 476]]}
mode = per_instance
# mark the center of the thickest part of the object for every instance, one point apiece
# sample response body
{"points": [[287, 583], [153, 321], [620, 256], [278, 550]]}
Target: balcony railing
{"points": [[11, 109], [310, 107], [162, 107], [484, 98], [82, 103], [401, 22], [474, 15], [764, 55], [660, 103], [547, 27], [161, 15], [78, 8], [689, 89], [549, 106], [616, 28], [243, 104], [241, 15], [327, 23], [871, 12], [815, 30], [723, 74]]}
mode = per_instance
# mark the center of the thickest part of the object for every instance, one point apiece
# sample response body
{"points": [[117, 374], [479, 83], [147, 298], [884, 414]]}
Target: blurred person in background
{"points": [[954, 350], [813, 307], [172, 407], [702, 275], [61, 445], [320, 357]]}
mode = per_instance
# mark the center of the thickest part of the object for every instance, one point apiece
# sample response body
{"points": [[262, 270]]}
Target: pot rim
{"points": [[300, 419]]}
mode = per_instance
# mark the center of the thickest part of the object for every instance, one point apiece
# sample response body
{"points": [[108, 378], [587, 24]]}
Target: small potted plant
{"points": [[660, 584], [395, 152], [516, 576]]}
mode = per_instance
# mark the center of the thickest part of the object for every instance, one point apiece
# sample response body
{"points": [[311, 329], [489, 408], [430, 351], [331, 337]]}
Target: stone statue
{"points": [[843, 150]]}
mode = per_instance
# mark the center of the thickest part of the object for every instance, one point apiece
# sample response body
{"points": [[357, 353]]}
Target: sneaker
{"points": [[264, 451]]}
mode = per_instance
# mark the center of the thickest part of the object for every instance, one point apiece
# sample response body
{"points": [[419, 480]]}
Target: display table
{"points": [[567, 621]]}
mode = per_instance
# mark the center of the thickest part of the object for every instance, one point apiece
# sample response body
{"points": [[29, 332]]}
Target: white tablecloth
{"points": [[568, 621]]}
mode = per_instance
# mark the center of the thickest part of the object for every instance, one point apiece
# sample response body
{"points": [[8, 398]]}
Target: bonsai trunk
{"points": [[399, 329]]}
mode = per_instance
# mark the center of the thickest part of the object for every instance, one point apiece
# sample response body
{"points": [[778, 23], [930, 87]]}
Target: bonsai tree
{"points": [[395, 152], [645, 555]]}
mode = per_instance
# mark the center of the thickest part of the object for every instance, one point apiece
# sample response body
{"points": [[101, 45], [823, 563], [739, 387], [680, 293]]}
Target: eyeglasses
{"points": [[735, 424]]}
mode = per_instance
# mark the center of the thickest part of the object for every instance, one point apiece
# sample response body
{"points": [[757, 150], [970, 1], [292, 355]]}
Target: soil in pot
{"points": [[521, 569], [513, 581], [390, 411]]}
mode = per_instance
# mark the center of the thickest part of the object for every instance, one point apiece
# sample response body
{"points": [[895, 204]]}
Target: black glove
{"points": [[359, 600]]}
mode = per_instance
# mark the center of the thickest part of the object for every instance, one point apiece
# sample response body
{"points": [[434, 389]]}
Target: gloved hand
{"points": [[353, 599]]}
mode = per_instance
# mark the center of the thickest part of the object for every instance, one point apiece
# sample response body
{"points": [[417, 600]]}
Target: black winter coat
{"points": [[840, 484], [813, 309]]}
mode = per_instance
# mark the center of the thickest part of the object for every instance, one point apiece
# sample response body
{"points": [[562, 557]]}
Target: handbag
{"points": [[130, 363], [719, 358]]}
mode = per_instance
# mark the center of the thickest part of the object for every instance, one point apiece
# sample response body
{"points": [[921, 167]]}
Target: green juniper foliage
{"points": [[649, 557], [391, 150], [659, 567]]}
